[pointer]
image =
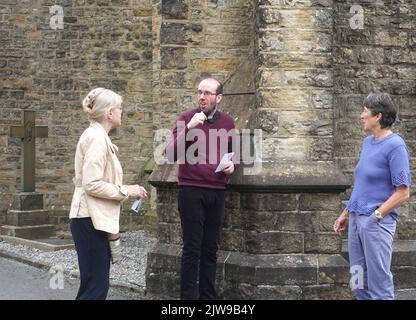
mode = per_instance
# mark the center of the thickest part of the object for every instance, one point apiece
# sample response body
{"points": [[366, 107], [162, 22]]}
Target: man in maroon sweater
{"points": [[200, 139]]}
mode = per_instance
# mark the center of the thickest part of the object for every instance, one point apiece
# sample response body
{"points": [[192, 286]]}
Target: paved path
{"points": [[20, 281]]}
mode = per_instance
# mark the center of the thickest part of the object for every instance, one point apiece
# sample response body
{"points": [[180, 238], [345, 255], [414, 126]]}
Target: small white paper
{"points": [[226, 157], [136, 205]]}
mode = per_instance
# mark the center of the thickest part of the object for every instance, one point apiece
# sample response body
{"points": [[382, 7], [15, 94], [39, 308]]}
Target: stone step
{"points": [[28, 232], [406, 294], [404, 252], [403, 262], [27, 217]]}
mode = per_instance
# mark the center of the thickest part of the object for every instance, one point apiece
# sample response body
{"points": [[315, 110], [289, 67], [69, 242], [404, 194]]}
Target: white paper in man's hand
{"points": [[226, 157]]}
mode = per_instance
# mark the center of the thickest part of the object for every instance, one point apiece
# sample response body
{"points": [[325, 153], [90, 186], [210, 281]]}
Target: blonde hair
{"points": [[98, 101]]}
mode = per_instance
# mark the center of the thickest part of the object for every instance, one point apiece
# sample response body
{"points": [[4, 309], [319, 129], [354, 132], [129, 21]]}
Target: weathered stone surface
{"points": [[180, 34], [274, 242], [169, 233], [244, 291], [232, 240], [27, 201], [327, 292], [51, 71], [173, 58], [27, 217], [174, 9], [269, 202], [327, 242]]}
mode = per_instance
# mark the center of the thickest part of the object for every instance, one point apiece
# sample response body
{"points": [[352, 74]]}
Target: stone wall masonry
{"points": [[264, 223], [196, 39], [277, 241], [378, 56], [103, 43], [295, 79]]}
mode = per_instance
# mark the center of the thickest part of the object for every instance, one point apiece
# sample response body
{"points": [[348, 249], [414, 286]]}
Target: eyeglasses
{"points": [[205, 93]]}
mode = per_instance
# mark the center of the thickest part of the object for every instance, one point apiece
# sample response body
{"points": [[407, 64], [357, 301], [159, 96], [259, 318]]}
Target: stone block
{"points": [[244, 291], [174, 9], [27, 201], [269, 201], [333, 269], [240, 268], [327, 219], [281, 221], [234, 218], [169, 233], [286, 149], [295, 40], [319, 202], [404, 253], [274, 242], [297, 222], [299, 4], [321, 149], [367, 54], [329, 242], [180, 34], [164, 258], [173, 58], [168, 196], [271, 292], [268, 120], [327, 292], [28, 232], [404, 277], [27, 217], [162, 273], [390, 38], [213, 64], [238, 16], [232, 200], [294, 60], [168, 212], [295, 269], [293, 99], [175, 80], [302, 78], [232, 240]]}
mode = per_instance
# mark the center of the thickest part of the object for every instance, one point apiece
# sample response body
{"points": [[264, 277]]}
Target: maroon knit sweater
{"points": [[192, 169]]}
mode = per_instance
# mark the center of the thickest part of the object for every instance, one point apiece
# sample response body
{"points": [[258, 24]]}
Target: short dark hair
{"points": [[381, 102]]}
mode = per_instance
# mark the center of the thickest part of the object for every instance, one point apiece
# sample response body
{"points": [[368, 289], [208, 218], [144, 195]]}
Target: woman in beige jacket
{"points": [[99, 193]]}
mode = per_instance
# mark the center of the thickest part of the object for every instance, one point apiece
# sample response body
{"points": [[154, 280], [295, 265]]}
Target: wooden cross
{"points": [[28, 133]]}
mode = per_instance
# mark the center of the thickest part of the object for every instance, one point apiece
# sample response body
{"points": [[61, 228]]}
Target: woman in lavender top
{"points": [[382, 182]]}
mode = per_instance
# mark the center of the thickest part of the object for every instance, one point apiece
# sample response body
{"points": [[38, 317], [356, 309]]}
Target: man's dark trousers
{"points": [[202, 217]]}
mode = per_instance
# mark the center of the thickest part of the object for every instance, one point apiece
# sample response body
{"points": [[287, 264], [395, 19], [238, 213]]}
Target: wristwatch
{"points": [[378, 214]]}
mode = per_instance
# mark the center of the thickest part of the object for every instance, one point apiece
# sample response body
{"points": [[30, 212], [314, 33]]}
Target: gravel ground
{"points": [[129, 272]]}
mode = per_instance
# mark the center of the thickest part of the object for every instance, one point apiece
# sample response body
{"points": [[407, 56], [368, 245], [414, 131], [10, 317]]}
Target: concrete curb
{"points": [[47, 247], [127, 287]]}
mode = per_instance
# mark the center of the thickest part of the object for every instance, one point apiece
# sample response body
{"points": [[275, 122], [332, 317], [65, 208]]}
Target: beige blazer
{"points": [[98, 192]]}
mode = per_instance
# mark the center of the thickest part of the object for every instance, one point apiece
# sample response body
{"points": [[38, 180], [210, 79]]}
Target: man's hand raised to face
{"points": [[198, 118]]}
